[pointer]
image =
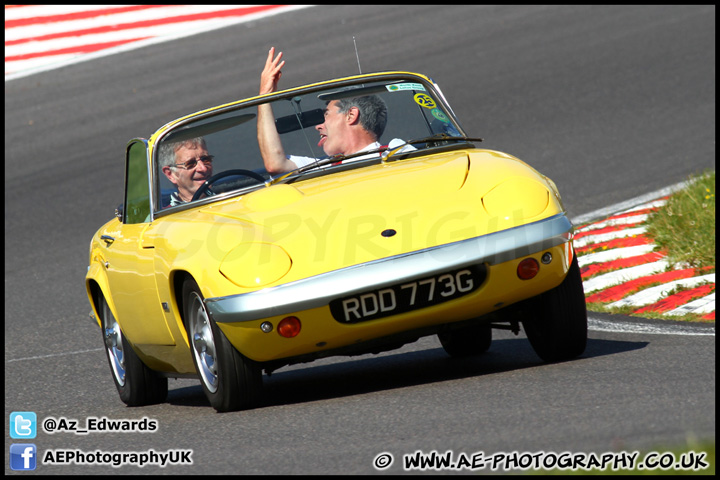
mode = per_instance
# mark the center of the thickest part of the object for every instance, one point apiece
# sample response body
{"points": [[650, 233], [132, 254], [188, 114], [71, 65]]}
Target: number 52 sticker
{"points": [[424, 100]]}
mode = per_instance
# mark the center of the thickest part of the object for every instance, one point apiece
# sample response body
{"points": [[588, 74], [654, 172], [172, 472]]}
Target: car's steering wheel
{"points": [[205, 187]]}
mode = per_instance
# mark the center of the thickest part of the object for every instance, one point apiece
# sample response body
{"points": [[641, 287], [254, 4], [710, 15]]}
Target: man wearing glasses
{"points": [[186, 164]]}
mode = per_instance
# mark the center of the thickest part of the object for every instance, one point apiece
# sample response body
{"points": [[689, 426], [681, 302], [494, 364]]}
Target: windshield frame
{"points": [[325, 86]]}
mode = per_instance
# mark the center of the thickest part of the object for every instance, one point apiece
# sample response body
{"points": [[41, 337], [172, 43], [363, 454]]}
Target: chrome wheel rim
{"points": [[203, 343], [114, 345]]}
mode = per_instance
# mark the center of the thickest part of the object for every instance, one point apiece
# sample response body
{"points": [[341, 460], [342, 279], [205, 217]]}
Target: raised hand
{"points": [[272, 72]]}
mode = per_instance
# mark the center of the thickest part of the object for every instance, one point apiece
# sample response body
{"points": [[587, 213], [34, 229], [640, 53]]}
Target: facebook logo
{"points": [[23, 456], [23, 425]]}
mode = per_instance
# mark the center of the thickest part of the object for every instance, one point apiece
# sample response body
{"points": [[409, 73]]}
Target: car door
{"points": [[130, 259]]}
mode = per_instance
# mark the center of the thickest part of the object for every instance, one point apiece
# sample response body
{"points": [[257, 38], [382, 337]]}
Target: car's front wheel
{"points": [[230, 381], [135, 382], [558, 331]]}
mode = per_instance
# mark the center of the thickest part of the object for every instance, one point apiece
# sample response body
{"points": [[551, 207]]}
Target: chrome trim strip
{"points": [[319, 290]]}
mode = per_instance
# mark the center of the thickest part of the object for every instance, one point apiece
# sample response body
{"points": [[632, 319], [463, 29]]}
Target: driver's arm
{"points": [[271, 148]]}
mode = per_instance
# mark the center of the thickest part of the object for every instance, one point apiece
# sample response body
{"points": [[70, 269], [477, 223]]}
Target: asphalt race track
{"points": [[610, 102]]}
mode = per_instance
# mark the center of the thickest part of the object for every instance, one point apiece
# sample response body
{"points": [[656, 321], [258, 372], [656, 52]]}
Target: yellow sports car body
{"points": [[421, 233]]}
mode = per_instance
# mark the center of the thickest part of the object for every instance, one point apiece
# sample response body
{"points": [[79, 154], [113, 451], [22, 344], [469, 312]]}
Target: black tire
{"points": [[136, 383], [230, 381], [466, 341], [559, 331]]}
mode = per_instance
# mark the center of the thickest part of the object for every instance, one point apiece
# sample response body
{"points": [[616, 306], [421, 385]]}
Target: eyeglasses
{"points": [[192, 163]]}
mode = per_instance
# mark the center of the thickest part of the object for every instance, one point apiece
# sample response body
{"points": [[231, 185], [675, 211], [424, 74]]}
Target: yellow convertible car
{"points": [[216, 269]]}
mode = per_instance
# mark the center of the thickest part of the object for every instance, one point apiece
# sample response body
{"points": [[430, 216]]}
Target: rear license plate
{"points": [[407, 296]]}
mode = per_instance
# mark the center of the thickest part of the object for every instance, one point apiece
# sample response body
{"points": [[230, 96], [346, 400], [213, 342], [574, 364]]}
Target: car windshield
{"points": [[216, 154]]}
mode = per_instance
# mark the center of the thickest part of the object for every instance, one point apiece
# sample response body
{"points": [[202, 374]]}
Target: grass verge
{"points": [[685, 226]]}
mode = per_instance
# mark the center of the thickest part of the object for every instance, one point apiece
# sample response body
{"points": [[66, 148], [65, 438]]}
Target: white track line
{"points": [[612, 222], [600, 325], [594, 324], [52, 355], [645, 206], [628, 205]]}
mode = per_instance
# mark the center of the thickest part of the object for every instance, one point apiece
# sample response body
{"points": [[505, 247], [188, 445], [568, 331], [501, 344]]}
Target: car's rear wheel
{"points": [[559, 330], [466, 341], [135, 382], [230, 381]]}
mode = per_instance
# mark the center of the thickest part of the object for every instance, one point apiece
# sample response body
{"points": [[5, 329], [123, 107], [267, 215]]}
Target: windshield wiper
{"points": [[438, 137]]}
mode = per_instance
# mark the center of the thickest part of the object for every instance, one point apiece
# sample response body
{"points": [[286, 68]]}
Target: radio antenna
{"points": [[356, 55]]}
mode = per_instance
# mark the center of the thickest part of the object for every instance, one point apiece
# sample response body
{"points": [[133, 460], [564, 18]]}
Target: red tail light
{"points": [[289, 327], [528, 268]]}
